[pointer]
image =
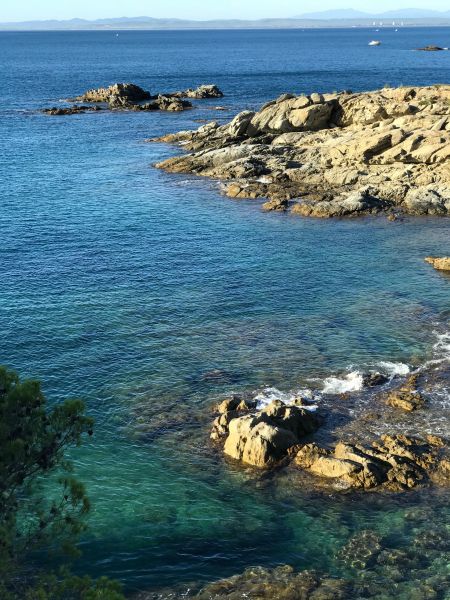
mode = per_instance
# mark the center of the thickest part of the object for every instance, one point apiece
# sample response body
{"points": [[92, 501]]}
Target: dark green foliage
{"points": [[33, 439]]}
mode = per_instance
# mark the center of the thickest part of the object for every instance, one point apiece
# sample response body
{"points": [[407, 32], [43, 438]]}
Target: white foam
{"points": [[442, 346], [352, 382], [270, 394], [394, 369]]}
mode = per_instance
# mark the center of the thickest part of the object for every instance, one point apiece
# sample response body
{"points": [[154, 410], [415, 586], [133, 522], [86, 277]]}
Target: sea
{"points": [[151, 296]]}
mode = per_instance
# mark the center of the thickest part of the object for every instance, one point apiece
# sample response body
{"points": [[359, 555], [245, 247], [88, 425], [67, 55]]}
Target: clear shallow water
{"points": [[125, 286]]}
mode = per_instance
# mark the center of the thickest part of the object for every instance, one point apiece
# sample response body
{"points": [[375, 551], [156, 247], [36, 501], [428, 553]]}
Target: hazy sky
{"points": [[195, 9]]}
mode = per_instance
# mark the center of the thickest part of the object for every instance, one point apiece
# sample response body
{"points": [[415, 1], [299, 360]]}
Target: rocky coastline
{"points": [[331, 155]]}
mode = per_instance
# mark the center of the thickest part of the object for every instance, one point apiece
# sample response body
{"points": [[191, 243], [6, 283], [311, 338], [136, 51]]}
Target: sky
{"points": [[25, 10]]}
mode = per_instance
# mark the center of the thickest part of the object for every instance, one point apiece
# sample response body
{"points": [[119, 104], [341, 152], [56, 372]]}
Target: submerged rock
{"points": [[281, 583], [440, 263], [69, 110], [333, 155], [431, 49]]}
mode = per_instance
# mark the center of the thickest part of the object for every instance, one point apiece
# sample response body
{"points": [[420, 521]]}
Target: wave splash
{"points": [[352, 381]]}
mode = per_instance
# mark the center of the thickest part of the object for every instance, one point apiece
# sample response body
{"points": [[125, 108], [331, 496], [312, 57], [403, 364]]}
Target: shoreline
{"points": [[331, 155]]}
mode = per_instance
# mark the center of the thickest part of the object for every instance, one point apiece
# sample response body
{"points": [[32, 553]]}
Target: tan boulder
{"points": [[264, 438], [441, 263], [406, 397], [395, 462]]}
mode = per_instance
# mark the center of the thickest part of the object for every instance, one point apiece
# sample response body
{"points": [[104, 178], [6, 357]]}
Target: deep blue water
{"points": [[123, 285]]}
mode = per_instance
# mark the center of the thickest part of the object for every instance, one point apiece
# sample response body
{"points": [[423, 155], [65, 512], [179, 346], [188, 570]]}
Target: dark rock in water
{"points": [[116, 94], [430, 49], [201, 93], [219, 376], [407, 397], [128, 96], [374, 379], [167, 103], [70, 110]]}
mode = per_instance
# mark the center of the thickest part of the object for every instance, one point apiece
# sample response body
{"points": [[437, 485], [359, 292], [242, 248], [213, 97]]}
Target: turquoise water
{"points": [[127, 286]]}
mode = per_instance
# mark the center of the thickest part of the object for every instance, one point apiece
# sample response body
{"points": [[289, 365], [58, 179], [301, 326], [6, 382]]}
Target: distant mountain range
{"points": [[350, 13], [329, 18]]}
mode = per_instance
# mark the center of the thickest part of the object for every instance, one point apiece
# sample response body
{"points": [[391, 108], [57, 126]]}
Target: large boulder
{"points": [[239, 125], [116, 94], [293, 114], [203, 92], [263, 438]]}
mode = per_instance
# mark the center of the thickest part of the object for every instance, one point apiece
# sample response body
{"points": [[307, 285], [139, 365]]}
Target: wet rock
{"points": [[440, 263], [430, 49], [407, 397], [374, 379], [70, 110], [280, 205]]}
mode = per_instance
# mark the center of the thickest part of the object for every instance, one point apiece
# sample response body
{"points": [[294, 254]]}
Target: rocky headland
{"points": [[128, 96], [331, 155]]}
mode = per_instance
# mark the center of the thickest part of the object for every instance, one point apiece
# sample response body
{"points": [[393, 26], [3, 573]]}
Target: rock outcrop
{"points": [[431, 49], [116, 94], [406, 397], [394, 462], [70, 110], [331, 155], [203, 92], [262, 438], [440, 263], [128, 96]]}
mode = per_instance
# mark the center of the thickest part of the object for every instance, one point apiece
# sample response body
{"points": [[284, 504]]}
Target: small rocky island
{"points": [[128, 96], [351, 457], [331, 155]]}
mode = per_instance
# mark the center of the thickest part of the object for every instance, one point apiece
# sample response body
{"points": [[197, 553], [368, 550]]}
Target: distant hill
{"points": [[350, 13], [330, 18]]}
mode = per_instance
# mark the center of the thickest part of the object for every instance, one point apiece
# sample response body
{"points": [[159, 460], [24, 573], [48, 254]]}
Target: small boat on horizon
{"points": [[375, 43]]}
